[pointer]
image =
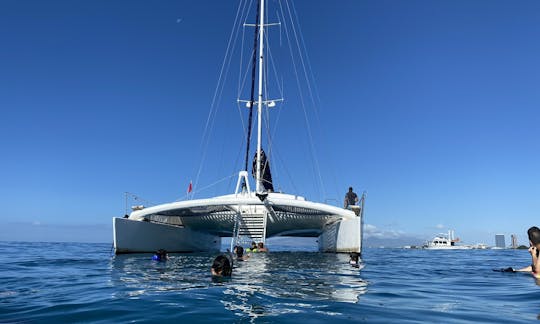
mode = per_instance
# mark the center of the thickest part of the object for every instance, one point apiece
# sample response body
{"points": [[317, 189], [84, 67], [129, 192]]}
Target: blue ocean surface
{"points": [[76, 282]]}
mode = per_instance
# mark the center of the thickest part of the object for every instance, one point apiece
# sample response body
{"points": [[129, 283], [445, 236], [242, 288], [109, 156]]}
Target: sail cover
{"points": [[265, 171]]}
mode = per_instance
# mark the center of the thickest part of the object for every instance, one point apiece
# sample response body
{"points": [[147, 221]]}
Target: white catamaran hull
{"points": [[198, 225], [132, 236], [344, 236]]}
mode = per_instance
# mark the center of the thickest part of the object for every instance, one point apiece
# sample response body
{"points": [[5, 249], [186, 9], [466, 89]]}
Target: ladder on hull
{"points": [[250, 226]]}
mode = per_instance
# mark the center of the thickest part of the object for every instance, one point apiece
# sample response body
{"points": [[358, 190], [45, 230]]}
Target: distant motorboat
{"points": [[480, 246], [445, 242]]}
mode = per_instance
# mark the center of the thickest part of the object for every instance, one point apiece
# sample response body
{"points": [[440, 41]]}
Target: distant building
{"points": [[514, 241], [499, 241]]}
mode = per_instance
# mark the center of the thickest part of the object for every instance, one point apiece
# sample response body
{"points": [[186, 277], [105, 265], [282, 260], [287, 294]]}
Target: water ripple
{"points": [[82, 282]]}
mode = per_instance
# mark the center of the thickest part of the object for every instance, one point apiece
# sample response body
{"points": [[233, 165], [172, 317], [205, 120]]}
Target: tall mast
{"points": [[260, 99]]}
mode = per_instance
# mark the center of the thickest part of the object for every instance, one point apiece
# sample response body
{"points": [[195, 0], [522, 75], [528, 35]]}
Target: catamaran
{"points": [[247, 215]]}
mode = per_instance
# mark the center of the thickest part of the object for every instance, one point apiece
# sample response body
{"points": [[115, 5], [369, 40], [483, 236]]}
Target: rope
{"points": [[206, 187], [317, 103], [315, 164], [205, 141]]}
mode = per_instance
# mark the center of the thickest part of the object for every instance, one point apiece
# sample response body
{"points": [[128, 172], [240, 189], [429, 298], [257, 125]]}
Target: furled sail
{"points": [[266, 176]]}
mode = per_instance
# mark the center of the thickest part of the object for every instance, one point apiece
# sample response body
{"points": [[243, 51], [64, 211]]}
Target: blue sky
{"points": [[429, 106]]}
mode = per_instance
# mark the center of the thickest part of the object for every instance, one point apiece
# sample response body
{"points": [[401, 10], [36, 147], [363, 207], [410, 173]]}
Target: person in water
{"points": [[239, 252], [261, 248], [253, 248], [160, 255], [351, 198], [354, 259], [221, 267], [534, 250]]}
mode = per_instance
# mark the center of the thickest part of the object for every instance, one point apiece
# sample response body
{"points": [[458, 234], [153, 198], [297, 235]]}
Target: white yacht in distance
{"points": [[445, 242], [248, 214]]}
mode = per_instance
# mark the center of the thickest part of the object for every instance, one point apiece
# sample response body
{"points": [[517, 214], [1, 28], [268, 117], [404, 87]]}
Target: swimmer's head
{"points": [[160, 255], [239, 251], [221, 266], [534, 235]]}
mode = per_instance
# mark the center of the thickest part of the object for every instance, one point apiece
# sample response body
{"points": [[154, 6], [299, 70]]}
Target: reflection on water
{"points": [[266, 284], [65, 282]]}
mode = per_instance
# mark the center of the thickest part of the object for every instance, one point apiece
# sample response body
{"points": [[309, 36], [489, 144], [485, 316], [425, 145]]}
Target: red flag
{"points": [[190, 187]]}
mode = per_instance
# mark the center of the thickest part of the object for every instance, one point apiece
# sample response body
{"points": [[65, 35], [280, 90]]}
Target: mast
{"points": [[260, 99]]}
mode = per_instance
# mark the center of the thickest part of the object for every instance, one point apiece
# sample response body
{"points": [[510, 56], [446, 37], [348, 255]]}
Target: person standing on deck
{"points": [[351, 198]]}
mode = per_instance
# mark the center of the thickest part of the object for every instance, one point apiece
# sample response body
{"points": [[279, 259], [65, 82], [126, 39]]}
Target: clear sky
{"points": [[432, 107]]}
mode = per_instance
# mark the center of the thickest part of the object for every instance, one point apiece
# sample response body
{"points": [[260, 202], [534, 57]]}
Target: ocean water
{"points": [[73, 282]]}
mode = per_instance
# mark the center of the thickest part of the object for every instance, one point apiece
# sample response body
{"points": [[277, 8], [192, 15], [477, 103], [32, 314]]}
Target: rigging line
{"points": [[280, 88], [295, 70], [227, 51], [273, 64], [251, 100], [284, 165], [240, 103], [240, 84], [238, 156], [211, 116], [135, 197], [270, 148], [243, 77], [269, 133], [248, 63], [241, 56], [318, 105], [312, 75], [308, 83], [206, 187]]}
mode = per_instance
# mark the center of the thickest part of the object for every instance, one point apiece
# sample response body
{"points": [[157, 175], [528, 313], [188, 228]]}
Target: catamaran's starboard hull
{"points": [[344, 236], [132, 236]]}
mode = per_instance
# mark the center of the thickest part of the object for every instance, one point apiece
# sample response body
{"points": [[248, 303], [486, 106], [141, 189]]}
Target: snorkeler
{"points": [[261, 248], [221, 267], [253, 248], [354, 259], [160, 255], [239, 252], [534, 250]]}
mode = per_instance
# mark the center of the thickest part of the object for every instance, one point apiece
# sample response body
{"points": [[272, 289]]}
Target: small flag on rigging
{"points": [[190, 187]]}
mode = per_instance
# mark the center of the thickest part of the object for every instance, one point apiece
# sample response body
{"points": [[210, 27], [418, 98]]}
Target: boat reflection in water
{"points": [[296, 278], [267, 284]]}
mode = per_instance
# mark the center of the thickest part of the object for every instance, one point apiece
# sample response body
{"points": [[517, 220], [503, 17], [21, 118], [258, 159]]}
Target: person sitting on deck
{"points": [[534, 250], [221, 267], [239, 251], [261, 248], [351, 198], [253, 248], [160, 255]]}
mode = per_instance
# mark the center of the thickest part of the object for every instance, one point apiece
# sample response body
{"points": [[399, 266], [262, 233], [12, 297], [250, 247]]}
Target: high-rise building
{"points": [[499, 241], [514, 241]]}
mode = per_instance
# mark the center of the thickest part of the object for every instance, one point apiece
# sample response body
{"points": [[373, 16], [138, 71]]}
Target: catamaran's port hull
{"points": [[132, 236], [342, 237]]}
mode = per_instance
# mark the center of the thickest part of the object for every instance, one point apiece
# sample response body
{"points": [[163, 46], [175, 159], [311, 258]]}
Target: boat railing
{"points": [[136, 202]]}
